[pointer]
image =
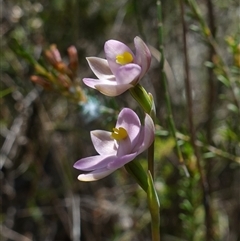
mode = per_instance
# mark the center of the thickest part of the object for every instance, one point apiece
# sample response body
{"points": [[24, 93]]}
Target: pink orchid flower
{"points": [[127, 140], [121, 70]]}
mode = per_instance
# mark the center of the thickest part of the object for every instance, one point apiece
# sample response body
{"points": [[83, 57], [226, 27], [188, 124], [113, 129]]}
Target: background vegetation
{"points": [[43, 132]]}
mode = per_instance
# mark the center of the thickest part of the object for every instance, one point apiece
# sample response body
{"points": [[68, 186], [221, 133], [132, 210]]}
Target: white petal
{"points": [[100, 68], [103, 143], [95, 175], [112, 89]]}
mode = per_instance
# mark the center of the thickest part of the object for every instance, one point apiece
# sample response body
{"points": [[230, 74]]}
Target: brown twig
{"points": [[212, 91], [17, 129], [211, 82], [204, 184]]}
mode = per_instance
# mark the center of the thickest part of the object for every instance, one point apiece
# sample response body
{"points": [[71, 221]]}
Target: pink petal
{"points": [[129, 120], [103, 143], [124, 147], [91, 82], [111, 89], [143, 55], [93, 162], [113, 48], [148, 134], [128, 74], [95, 175], [95, 82], [121, 161], [100, 68]]}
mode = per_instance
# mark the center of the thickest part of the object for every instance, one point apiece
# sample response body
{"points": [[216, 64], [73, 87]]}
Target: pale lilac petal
{"points": [[143, 55], [95, 82], [121, 161], [103, 143], [100, 68], [148, 135], [124, 147], [93, 162], [91, 82], [95, 175], [113, 48], [112, 89], [139, 142], [129, 120], [128, 74]]}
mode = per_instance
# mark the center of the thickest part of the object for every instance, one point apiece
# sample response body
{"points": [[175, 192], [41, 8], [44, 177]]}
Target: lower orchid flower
{"points": [[121, 70], [127, 140]]}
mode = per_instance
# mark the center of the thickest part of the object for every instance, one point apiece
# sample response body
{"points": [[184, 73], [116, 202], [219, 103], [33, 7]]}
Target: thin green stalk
{"points": [[151, 159], [155, 229], [165, 86], [145, 100], [154, 206]]}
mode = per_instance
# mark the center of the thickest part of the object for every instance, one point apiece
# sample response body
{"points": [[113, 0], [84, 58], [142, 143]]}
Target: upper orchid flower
{"points": [[121, 70], [127, 140]]}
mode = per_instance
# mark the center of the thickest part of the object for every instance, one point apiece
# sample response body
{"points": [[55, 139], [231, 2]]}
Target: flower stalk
{"points": [[154, 205], [145, 100]]}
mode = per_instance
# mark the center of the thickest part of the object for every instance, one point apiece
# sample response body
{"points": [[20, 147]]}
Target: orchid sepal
{"points": [[143, 98]]}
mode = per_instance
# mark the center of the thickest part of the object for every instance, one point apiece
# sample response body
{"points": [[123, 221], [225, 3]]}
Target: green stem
{"points": [[145, 100], [154, 206], [151, 159], [155, 230]]}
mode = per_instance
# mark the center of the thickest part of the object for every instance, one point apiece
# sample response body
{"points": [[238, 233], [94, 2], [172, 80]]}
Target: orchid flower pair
{"points": [[120, 71]]}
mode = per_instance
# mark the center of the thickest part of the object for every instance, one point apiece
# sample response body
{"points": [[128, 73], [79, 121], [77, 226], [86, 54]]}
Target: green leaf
{"points": [[5, 92], [224, 80], [208, 155], [233, 108], [209, 64], [135, 169]]}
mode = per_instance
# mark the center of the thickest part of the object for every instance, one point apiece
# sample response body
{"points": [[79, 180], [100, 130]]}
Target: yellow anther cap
{"points": [[119, 133], [124, 58]]}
